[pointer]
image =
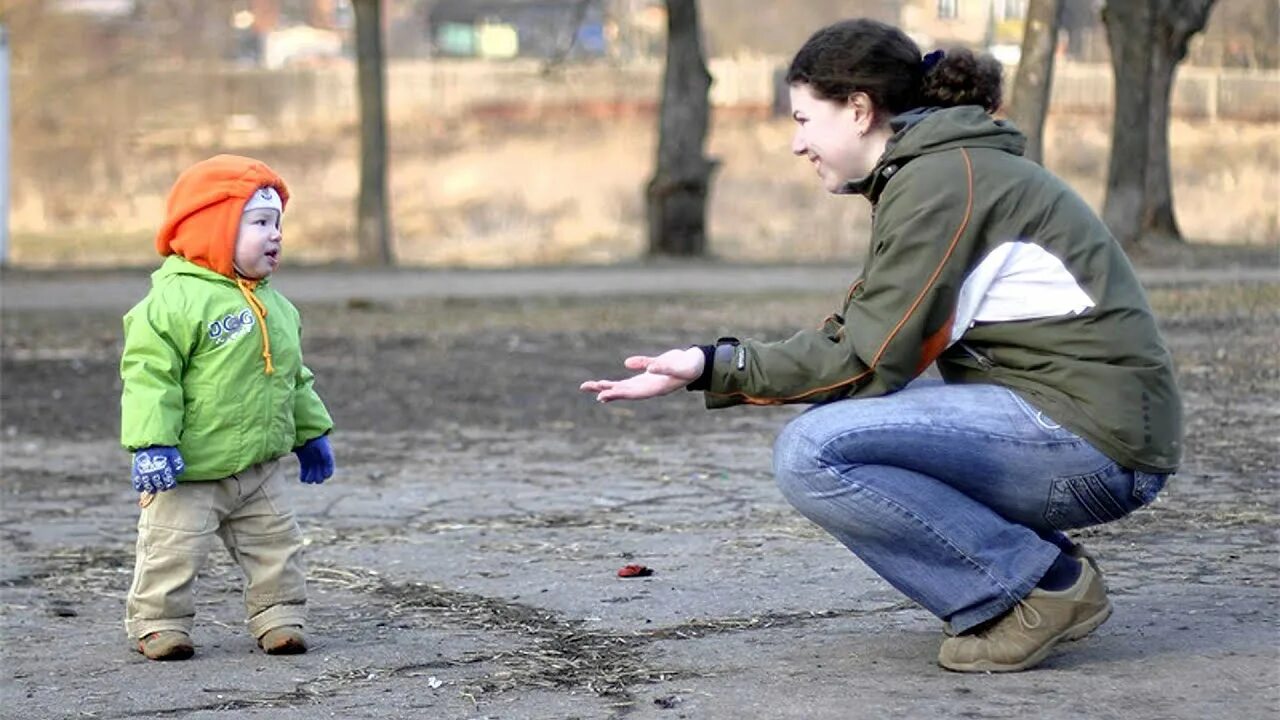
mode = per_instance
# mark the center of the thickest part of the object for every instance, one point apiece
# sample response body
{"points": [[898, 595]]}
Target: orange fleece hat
{"points": [[202, 213]]}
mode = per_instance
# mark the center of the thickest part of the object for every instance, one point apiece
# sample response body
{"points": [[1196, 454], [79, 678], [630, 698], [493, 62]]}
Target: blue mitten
{"points": [[156, 469], [316, 458]]}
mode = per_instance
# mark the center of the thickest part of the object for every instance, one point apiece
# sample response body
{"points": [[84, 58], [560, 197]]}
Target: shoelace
{"points": [[1022, 611]]}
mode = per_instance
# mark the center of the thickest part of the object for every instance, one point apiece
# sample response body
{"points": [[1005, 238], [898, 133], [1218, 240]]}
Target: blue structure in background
{"points": [[543, 29]]}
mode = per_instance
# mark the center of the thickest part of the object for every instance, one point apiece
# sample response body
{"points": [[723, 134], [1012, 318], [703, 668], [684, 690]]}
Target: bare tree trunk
{"points": [[676, 197], [1176, 22], [1034, 80], [1158, 221], [373, 221], [1129, 32]]}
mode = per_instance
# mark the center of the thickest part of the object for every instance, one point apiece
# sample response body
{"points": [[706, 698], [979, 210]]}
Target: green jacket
{"points": [[987, 264], [195, 377]]}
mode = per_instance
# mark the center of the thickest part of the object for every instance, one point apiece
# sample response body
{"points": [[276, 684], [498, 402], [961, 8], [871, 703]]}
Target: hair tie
{"points": [[932, 59]]}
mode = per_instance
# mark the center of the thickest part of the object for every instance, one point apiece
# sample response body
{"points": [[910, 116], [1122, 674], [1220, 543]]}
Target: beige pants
{"points": [[176, 532]]}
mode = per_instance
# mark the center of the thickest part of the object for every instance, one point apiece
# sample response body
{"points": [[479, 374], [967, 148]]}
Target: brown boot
{"points": [[283, 640], [1078, 552], [166, 645], [1022, 638]]}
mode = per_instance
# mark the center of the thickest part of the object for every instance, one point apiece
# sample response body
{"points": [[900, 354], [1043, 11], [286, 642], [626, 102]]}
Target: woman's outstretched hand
{"points": [[659, 375]]}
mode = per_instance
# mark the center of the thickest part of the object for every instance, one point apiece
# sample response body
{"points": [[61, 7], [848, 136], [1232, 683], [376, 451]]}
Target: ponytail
{"points": [[962, 77]]}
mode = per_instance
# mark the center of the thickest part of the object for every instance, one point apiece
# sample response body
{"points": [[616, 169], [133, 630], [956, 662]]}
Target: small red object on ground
{"points": [[635, 571]]}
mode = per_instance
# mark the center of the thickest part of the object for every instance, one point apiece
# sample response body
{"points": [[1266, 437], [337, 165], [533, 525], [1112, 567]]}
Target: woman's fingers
{"points": [[606, 395], [655, 376], [638, 362], [637, 387], [625, 391], [685, 364]]}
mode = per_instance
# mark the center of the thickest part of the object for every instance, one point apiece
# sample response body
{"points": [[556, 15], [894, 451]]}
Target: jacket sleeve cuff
{"points": [[703, 383], [300, 444]]}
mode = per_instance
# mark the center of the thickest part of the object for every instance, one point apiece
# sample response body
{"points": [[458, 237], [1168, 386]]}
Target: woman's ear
{"points": [[864, 112]]}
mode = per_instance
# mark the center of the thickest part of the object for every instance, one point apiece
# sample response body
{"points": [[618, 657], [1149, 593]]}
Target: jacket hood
{"points": [[202, 212], [929, 130]]}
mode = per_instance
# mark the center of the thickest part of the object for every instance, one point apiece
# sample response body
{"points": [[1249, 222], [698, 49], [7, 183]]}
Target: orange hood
{"points": [[202, 213]]}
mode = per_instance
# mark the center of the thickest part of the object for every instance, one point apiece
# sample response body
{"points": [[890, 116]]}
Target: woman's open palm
{"points": [[659, 375]]}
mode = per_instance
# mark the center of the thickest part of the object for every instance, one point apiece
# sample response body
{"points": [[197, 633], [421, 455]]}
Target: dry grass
{"points": [[572, 191], [557, 653]]}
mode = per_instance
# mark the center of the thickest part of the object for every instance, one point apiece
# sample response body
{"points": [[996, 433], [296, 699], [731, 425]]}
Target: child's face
{"points": [[259, 243]]}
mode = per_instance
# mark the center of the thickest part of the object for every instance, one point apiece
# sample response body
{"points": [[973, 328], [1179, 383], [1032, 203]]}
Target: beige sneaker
{"points": [[1022, 638], [283, 640], [166, 645], [1079, 552]]}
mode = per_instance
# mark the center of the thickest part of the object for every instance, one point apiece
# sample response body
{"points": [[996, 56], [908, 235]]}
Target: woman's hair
{"points": [[880, 60]]}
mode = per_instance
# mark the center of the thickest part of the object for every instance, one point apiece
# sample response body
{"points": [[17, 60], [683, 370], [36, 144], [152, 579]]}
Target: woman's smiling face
{"points": [[834, 136]]}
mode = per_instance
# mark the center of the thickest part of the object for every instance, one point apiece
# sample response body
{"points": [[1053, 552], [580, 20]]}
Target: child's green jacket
{"points": [[199, 374]]}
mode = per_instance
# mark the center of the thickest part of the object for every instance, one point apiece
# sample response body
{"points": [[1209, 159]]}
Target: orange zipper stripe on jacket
{"points": [[933, 278]]}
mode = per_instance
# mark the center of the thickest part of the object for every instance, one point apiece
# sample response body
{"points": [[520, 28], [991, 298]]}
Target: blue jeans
{"points": [[957, 495]]}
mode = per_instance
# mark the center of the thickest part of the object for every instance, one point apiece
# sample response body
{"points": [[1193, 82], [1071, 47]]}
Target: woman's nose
{"points": [[798, 146]]}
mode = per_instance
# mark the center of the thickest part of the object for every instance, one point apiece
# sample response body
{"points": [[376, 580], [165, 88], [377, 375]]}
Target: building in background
{"points": [[289, 33], [995, 25], [284, 33], [504, 29], [104, 9]]}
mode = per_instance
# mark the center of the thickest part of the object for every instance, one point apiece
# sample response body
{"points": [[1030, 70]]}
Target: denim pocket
{"points": [[1146, 486], [1092, 499]]}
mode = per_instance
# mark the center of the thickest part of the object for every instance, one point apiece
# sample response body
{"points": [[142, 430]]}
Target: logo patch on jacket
{"points": [[231, 327]]}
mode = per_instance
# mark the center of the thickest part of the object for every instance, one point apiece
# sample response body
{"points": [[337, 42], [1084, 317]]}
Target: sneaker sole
{"points": [[1087, 626], [1075, 632]]}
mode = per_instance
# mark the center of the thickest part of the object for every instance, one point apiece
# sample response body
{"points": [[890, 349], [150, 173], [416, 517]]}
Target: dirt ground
{"points": [[463, 561]]}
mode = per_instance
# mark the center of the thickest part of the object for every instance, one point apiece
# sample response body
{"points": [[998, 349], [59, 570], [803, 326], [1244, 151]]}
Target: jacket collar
{"points": [[922, 131]]}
